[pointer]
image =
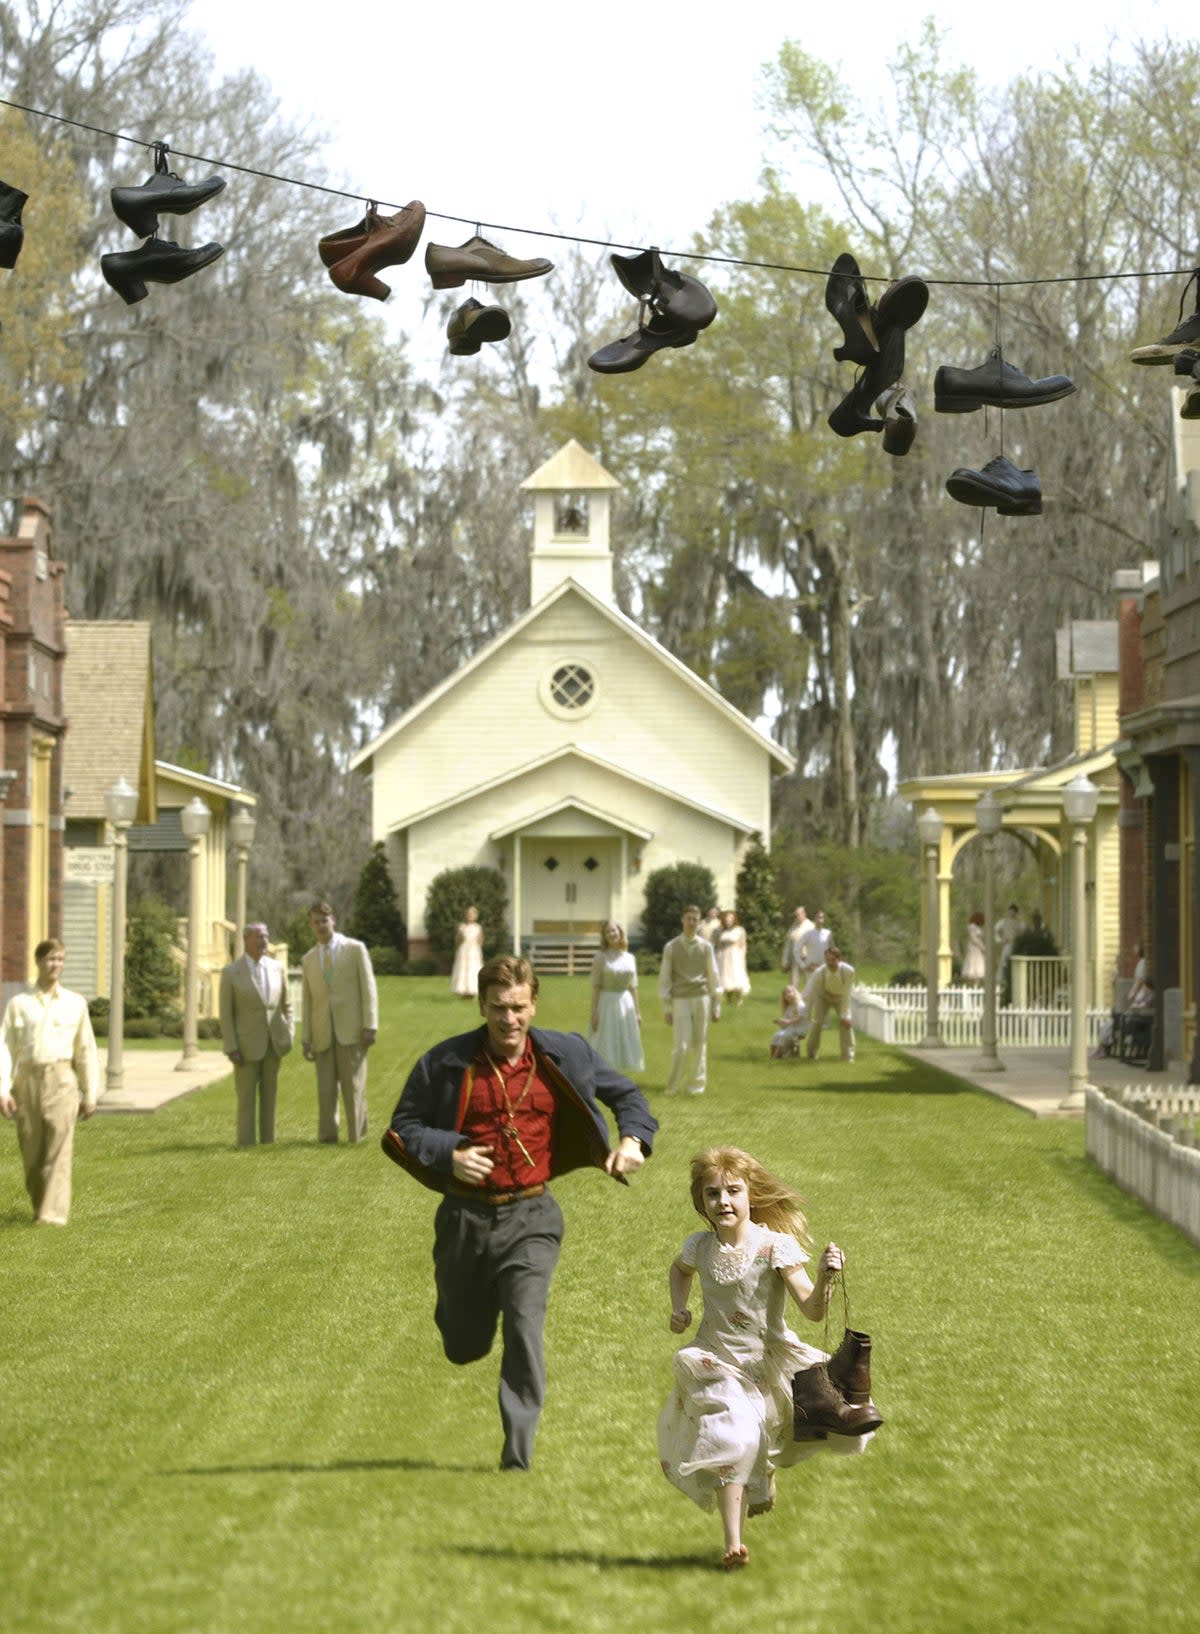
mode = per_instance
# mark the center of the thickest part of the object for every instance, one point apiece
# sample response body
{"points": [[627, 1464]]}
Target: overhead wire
{"points": [[476, 221]]}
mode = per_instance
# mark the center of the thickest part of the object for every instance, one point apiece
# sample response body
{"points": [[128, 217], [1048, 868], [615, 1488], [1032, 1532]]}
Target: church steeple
{"points": [[572, 496]]}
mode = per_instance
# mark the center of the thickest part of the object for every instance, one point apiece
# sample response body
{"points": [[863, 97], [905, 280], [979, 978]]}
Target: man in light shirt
{"points": [[691, 995], [256, 1028], [812, 949], [829, 988], [49, 1077], [790, 959], [340, 1021]]}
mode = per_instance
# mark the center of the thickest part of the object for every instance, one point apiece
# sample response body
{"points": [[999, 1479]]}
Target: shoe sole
{"points": [[968, 405], [969, 493], [450, 279], [1163, 351]]}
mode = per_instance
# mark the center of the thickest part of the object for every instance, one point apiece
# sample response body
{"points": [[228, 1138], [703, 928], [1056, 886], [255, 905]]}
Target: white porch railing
{"points": [[1144, 1138], [1043, 983], [896, 1015]]}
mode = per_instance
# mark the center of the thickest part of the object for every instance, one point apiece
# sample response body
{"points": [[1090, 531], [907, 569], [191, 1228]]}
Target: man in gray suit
{"points": [[256, 1029], [340, 1021]]}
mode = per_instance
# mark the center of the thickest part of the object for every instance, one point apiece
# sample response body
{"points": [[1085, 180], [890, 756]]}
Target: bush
{"points": [[419, 967], [907, 978], [151, 974], [758, 906], [208, 1027], [668, 892], [142, 1027], [871, 896], [455, 890], [387, 961], [648, 962], [299, 935], [375, 917]]}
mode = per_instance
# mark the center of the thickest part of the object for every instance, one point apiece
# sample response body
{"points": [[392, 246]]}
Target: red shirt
{"points": [[511, 1109]]}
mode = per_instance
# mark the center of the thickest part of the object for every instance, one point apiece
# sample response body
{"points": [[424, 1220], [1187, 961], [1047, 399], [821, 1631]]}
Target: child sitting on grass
{"points": [[727, 1424], [791, 1025]]}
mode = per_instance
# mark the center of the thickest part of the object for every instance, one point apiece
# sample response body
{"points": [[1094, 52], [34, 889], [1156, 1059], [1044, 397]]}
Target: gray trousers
{"points": [[493, 1263]]}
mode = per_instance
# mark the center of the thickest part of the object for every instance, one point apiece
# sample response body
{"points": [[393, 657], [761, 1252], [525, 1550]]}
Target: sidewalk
{"points": [[151, 1081], [1038, 1080]]}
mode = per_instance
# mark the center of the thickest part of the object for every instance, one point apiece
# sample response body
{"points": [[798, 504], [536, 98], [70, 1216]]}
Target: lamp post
{"points": [[1080, 799], [241, 832], [120, 805], [989, 817], [195, 818], [929, 828]]}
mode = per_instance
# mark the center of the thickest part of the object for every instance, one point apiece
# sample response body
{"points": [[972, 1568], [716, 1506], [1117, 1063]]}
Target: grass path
{"points": [[225, 1406]]}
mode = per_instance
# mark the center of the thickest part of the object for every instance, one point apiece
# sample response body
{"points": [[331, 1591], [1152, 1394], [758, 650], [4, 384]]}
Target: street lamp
{"points": [[120, 806], [241, 832], [929, 828], [989, 818], [1080, 799], [194, 818]]}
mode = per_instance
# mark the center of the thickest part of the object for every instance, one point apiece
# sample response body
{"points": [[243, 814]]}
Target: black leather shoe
{"points": [[903, 303], [680, 299], [855, 412], [474, 323], [1013, 492], [1191, 405], [12, 234], [1187, 363], [846, 298], [138, 207], [156, 262], [994, 384], [623, 356]]}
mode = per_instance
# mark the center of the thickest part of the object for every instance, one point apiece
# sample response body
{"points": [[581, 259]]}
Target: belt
{"points": [[476, 1194]]}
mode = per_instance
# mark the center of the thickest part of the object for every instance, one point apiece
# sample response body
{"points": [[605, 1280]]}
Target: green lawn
{"points": [[225, 1406]]}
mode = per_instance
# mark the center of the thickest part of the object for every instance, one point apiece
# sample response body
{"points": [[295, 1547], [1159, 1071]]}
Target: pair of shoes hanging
{"points": [[996, 384], [158, 260], [679, 307], [12, 234], [354, 255], [834, 1397], [873, 337]]}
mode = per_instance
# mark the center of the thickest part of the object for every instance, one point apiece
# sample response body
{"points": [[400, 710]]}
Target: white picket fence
{"points": [[896, 1015], [1144, 1138]]}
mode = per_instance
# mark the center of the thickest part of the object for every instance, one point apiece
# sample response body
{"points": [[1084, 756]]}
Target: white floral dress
{"points": [[729, 1417]]}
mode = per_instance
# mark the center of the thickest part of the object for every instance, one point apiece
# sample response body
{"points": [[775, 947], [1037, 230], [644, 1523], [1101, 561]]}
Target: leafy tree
{"points": [[668, 892], [300, 935], [152, 973], [375, 918], [758, 906], [455, 890]]}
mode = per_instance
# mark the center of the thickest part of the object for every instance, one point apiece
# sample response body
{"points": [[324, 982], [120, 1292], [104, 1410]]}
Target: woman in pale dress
{"points": [[731, 958], [974, 965], [468, 956], [616, 1021], [727, 1424]]}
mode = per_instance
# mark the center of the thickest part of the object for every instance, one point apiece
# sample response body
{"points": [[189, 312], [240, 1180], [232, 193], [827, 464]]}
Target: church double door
{"points": [[569, 886]]}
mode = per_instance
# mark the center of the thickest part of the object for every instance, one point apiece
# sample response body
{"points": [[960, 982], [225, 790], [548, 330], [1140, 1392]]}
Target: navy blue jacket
{"points": [[429, 1115]]}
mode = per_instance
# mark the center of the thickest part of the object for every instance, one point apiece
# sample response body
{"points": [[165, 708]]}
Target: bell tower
{"points": [[572, 498]]}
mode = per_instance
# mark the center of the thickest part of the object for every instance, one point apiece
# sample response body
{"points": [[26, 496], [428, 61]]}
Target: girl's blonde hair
{"points": [[772, 1203], [623, 944]]}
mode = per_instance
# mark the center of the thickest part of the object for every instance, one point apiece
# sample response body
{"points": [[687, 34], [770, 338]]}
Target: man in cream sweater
{"points": [[691, 994]]}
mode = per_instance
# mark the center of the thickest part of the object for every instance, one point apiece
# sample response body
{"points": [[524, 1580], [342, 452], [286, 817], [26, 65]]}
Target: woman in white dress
{"points": [[974, 965], [727, 1425], [616, 1021], [731, 958], [468, 956]]}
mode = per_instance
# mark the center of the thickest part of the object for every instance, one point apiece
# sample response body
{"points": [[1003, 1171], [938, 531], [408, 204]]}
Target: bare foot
{"points": [[732, 1559]]}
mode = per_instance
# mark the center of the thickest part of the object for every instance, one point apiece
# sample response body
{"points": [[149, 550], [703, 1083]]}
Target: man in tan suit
{"points": [[256, 1027], [341, 1019]]}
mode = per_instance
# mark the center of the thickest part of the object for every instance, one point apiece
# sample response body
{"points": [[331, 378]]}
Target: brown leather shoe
{"points": [[850, 1367], [474, 323], [477, 259], [354, 255], [820, 1410]]}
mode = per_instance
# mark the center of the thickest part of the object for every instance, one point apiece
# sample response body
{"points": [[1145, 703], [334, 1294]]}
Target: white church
{"points": [[573, 753]]}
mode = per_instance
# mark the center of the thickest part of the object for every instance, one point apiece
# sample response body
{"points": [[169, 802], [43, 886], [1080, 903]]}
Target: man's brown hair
{"points": [[507, 970]]}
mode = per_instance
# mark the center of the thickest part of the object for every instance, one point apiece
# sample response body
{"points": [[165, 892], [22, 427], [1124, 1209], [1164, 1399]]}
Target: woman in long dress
{"points": [[468, 956], [731, 958], [974, 965], [727, 1424], [616, 1031]]}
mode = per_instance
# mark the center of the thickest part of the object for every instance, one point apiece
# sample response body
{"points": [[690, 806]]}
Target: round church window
{"points": [[569, 688]]}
